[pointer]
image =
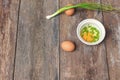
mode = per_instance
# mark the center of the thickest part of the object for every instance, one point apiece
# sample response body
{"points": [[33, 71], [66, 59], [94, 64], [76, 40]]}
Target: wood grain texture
{"points": [[112, 24], [37, 55], [8, 28], [86, 62]]}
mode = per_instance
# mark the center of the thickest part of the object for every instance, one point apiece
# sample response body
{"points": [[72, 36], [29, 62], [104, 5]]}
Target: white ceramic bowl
{"points": [[97, 25]]}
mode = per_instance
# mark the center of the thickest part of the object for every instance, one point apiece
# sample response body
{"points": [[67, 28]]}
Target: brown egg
{"points": [[70, 12], [68, 46]]}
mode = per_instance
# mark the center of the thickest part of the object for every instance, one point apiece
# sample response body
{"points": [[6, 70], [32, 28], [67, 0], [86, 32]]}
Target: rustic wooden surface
{"points": [[8, 30], [30, 44]]}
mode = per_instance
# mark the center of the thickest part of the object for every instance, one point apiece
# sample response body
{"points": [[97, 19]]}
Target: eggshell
{"points": [[68, 46], [70, 12]]}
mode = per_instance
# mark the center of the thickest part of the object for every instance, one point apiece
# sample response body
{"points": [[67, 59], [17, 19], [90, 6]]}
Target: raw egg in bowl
{"points": [[91, 31]]}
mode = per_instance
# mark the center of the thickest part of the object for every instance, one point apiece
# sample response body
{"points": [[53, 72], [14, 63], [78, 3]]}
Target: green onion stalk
{"points": [[89, 6]]}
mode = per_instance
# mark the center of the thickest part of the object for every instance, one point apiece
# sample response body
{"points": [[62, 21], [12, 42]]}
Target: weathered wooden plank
{"points": [[8, 28], [37, 55], [112, 23], [86, 62]]}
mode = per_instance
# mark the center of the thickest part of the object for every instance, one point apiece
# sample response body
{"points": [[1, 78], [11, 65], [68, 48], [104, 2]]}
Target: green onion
{"points": [[89, 6]]}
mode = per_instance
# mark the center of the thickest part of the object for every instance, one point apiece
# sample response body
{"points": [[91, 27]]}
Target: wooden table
{"points": [[30, 44]]}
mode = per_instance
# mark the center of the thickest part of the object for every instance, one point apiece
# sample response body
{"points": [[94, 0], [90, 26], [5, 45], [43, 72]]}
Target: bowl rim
{"points": [[99, 25]]}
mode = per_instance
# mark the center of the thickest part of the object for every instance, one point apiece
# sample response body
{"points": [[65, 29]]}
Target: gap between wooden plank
{"points": [[101, 2], [16, 37]]}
